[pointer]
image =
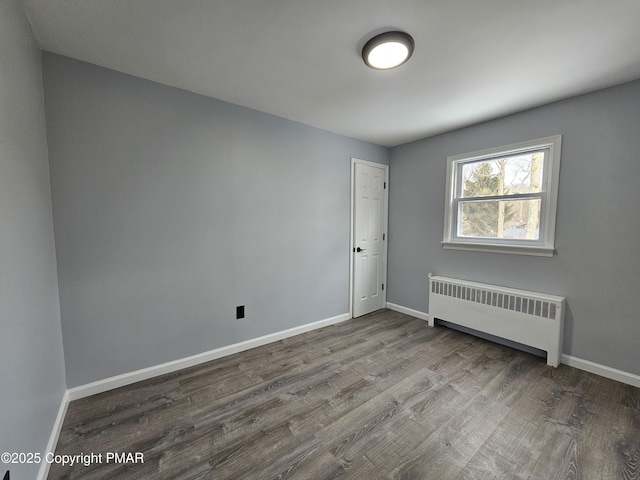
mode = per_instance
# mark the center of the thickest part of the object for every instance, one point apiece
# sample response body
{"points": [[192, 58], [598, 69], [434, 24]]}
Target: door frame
{"points": [[354, 161]]}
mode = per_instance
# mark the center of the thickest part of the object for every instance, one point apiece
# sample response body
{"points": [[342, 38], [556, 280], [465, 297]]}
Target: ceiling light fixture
{"points": [[387, 50]]}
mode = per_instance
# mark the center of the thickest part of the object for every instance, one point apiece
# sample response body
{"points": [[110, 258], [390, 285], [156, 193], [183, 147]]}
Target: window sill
{"points": [[499, 248]]}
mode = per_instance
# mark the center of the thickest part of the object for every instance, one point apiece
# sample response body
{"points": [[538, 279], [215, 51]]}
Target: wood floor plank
{"points": [[381, 396], [319, 465], [515, 446], [288, 460], [453, 441]]}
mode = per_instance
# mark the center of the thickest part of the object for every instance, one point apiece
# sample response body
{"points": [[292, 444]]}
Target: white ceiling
{"points": [[300, 59]]}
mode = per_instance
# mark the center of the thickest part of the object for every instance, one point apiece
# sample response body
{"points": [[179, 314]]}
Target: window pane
{"points": [[521, 173], [515, 219]]}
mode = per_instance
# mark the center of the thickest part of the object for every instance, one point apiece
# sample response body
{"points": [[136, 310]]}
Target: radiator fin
{"points": [[523, 304]]}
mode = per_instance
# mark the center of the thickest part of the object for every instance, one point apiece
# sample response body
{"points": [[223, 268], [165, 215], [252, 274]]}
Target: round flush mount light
{"points": [[387, 50]]}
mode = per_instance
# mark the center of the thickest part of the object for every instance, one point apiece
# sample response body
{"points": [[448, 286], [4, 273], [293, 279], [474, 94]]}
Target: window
{"points": [[504, 199]]}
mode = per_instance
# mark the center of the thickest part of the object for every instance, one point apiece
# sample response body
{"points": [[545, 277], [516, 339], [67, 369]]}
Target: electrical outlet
{"points": [[240, 311]]}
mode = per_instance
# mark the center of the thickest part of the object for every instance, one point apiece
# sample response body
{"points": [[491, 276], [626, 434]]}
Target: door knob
{"points": [[360, 249]]}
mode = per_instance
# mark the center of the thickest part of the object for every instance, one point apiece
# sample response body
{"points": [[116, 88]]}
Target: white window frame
{"points": [[545, 246]]}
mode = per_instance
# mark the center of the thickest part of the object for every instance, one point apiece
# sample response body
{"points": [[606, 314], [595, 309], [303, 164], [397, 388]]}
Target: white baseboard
{"points": [[128, 378], [146, 373], [409, 311], [602, 370], [150, 372], [55, 434], [579, 363]]}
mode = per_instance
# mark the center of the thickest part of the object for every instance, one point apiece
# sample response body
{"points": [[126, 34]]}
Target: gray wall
{"points": [[597, 266], [172, 208], [31, 357]]}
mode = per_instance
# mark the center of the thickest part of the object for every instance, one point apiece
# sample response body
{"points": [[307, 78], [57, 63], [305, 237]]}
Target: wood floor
{"points": [[380, 397]]}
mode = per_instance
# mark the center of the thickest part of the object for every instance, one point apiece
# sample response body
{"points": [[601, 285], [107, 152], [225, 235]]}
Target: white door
{"points": [[369, 232]]}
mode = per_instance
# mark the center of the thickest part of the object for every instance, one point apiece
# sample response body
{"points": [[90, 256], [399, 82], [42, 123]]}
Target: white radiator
{"points": [[529, 318]]}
